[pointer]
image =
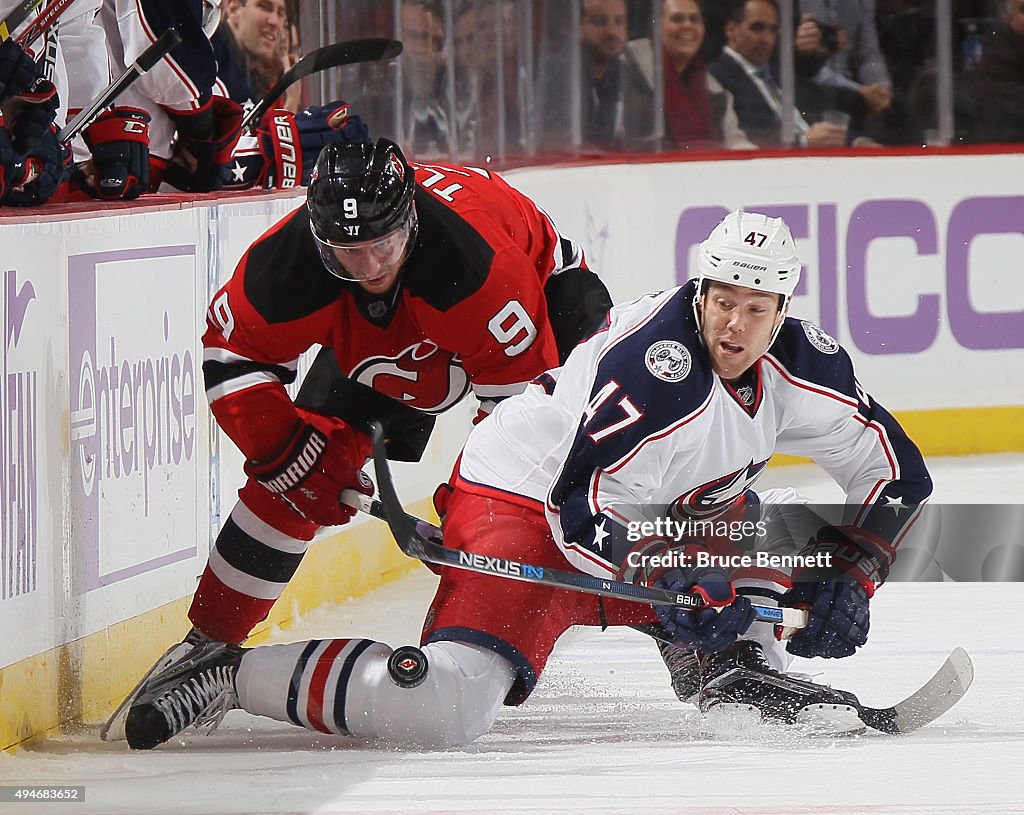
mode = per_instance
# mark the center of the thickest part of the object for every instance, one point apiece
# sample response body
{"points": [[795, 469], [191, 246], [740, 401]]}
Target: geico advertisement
{"points": [[907, 260]]}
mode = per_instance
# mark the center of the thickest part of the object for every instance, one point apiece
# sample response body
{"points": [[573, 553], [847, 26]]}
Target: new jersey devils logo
{"points": [[710, 500], [422, 376]]}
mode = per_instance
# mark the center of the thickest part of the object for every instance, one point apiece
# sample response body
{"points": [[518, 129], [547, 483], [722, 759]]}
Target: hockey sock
{"points": [[248, 570]]}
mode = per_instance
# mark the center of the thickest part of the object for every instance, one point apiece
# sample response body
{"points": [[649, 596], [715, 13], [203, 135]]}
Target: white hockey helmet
{"points": [[752, 250]]}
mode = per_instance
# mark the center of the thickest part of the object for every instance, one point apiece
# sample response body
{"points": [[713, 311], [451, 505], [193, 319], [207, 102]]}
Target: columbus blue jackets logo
{"points": [[421, 376], [819, 338], [668, 360]]}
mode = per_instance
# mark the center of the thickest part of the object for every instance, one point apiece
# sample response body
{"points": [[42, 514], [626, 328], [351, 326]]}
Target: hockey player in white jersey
{"points": [[679, 402]]}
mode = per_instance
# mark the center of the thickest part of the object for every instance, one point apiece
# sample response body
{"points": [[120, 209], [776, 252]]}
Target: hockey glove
{"points": [[320, 125], [42, 162], [119, 143], [836, 595], [205, 140], [713, 627], [291, 144], [17, 70], [315, 466]]}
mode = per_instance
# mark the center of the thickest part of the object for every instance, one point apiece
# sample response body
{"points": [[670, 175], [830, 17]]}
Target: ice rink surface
{"points": [[603, 734]]}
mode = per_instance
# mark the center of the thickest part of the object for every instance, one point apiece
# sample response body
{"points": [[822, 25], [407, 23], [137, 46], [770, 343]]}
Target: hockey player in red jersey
{"points": [[679, 402], [421, 283]]}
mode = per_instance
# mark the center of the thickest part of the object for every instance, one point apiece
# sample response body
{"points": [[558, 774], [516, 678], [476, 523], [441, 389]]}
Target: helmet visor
{"points": [[368, 261]]}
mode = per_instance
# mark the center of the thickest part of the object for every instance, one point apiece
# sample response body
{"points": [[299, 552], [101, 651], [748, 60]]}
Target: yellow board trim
{"points": [[85, 680], [955, 432]]}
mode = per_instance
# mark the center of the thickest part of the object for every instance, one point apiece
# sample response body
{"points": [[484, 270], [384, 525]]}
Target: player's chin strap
{"points": [[422, 540]]}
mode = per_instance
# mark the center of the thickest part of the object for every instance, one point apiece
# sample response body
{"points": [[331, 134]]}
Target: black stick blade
{"points": [[349, 52]]}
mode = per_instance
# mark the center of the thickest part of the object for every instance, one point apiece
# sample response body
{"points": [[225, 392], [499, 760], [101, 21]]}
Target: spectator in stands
{"points": [[618, 106], [698, 110], [252, 46], [424, 113], [744, 69], [489, 86], [854, 66], [999, 81]]}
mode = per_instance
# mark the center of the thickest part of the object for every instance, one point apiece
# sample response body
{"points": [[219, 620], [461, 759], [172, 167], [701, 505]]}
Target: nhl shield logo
{"points": [[668, 360], [819, 338]]}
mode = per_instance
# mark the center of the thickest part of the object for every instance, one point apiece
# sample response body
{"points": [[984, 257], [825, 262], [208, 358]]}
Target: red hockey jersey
{"points": [[469, 311]]}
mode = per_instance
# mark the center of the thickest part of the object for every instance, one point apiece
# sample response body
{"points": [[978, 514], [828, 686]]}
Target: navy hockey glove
{"points": [[320, 125], [17, 70], [836, 595], [838, 617], [204, 142], [713, 627], [291, 144], [119, 143], [42, 162], [312, 470]]}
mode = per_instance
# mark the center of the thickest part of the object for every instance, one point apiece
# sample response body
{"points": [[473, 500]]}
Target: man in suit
{"points": [[744, 69]]}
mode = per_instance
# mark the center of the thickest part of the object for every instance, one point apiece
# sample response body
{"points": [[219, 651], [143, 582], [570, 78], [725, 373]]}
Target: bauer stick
{"points": [[146, 60], [408, 532], [348, 52]]}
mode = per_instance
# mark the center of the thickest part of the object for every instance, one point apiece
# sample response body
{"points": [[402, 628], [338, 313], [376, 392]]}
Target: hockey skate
{"points": [[196, 690], [735, 688], [173, 667]]}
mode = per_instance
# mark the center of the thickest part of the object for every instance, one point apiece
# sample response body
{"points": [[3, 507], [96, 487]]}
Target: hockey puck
{"points": [[407, 666]]}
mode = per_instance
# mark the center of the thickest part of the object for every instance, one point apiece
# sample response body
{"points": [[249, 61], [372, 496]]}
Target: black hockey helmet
{"points": [[359, 192]]}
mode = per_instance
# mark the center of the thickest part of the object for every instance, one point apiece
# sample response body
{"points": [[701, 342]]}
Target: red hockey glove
{"points": [[119, 142], [313, 469], [204, 143], [281, 149]]}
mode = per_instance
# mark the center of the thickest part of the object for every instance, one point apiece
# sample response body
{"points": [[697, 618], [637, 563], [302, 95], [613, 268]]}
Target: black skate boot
{"points": [[113, 729], [683, 668], [737, 683], [195, 690]]}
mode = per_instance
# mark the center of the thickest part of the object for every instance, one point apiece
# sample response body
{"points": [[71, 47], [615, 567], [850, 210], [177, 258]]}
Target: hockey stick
{"points": [[147, 59], [926, 704], [41, 24], [17, 16], [407, 533], [348, 52]]}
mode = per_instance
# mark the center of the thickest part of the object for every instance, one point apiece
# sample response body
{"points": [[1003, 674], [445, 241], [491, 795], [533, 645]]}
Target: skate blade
{"points": [[113, 728], [829, 720], [731, 720]]}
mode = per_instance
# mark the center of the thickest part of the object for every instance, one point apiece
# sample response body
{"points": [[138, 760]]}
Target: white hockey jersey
{"points": [[637, 417]]}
